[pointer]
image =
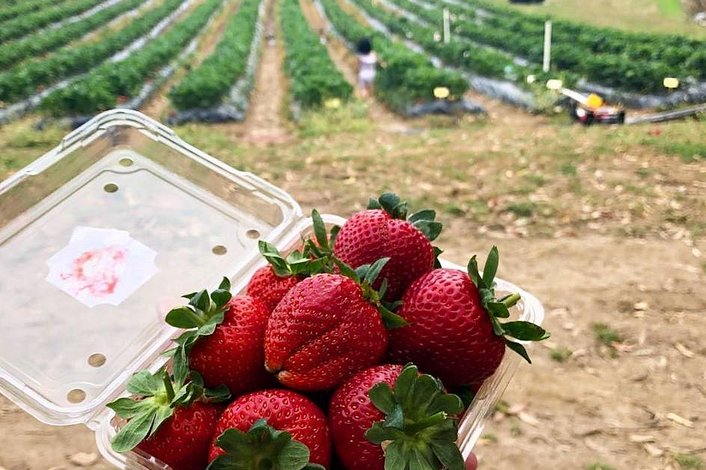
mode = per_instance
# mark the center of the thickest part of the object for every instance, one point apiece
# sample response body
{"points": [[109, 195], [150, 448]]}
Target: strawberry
{"points": [[384, 231], [454, 330], [408, 412], [327, 328], [270, 283], [225, 337], [283, 410], [170, 420]]}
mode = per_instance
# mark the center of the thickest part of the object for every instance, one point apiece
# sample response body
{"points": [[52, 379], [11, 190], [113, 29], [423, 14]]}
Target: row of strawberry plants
{"points": [[23, 80], [313, 78], [673, 49], [574, 43], [406, 76], [11, 11], [207, 85], [20, 26], [46, 41], [100, 89], [607, 69]]}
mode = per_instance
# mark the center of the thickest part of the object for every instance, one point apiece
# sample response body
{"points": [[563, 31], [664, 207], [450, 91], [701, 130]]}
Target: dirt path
{"points": [[346, 62], [265, 123], [159, 104]]}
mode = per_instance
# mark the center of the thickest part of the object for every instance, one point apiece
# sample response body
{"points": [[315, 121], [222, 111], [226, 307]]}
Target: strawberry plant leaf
{"points": [[333, 234], [491, 266], [347, 270], [126, 408], [144, 383], [373, 204], [218, 394], [319, 230], [381, 396], [183, 317], [200, 301], [498, 309], [449, 455], [431, 230], [374, 270], [133, 432], [474, 274], [180, 365], [519, 349], [225, 284], [390, 319], [437, 252], [161, 415], [221, 297], [525, 331], [427, 215]]}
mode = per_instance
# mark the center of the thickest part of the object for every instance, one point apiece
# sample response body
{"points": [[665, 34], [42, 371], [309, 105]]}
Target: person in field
{"points": [[367, 63]]}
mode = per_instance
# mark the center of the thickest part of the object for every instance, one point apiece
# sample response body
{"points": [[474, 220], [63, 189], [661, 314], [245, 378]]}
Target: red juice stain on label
{"points": [[96, 271]]}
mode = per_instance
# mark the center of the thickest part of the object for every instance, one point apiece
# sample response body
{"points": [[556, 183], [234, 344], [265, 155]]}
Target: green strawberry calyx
{"points": [[261, 448], [424, 220], [294, 264], [500, 308], [155, 396], [321, 245], [420, 428], [365, 276], [199, 317]]}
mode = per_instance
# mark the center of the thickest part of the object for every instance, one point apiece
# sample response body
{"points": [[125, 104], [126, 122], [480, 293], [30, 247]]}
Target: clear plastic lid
{"points": [[98, 239]]}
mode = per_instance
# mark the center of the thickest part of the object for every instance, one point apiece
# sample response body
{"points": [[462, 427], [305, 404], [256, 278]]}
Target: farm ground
{"points": [[605, 225]]}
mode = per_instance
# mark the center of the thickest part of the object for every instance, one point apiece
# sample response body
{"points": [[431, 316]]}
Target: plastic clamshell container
{"points": [[124, 199]]}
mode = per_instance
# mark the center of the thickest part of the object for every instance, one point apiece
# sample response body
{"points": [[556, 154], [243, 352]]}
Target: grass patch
{"points": [[605, 334], [522, 209], [598, 466], [349, 117], [689, 462], [671, 8], [560, 354], [568, 169]]}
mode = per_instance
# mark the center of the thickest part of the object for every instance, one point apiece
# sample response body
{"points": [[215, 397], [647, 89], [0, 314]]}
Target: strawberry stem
{"points": [[167, 381], [511, 300]]}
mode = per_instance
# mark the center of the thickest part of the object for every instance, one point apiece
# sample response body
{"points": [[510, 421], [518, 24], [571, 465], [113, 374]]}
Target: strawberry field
{"points": [[603, 224]]}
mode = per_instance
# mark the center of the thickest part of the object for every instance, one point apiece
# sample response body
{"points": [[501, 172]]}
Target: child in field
{"points": [[367, 62]]}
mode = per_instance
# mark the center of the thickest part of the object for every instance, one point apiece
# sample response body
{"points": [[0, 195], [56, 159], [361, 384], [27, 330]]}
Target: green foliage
{"points": [[560, 354], [100, 89], [689, 462], [23, 8], [44, 41], [406, 77], [24, 79], [605, 334], [313, 77], [24, 24], [208, 84]]}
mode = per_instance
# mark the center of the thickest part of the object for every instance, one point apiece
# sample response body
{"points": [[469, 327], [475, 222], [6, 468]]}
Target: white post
{"points": [[447, 26], [547, 45]]}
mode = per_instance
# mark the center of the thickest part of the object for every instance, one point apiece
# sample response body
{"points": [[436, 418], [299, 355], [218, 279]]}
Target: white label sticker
{"points": [[101, 266]]}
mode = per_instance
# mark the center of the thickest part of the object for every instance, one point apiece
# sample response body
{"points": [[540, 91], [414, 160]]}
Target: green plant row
{"points": [[22, 25], [207, 85], [23, 80], [45, 41], [103, 86], [27, 6], [647, 58], [406, 76], [312, 75], [607, 69]]}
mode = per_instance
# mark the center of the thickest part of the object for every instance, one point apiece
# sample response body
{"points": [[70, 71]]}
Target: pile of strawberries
{"points": [[340, 355]]}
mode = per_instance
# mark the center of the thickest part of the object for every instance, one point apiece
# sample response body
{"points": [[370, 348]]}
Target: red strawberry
{"points": [[225, 341], [266, 286], [270, 283], [384, 231], [409, 412], [326, 329], [454, 332], [166, 421], [283, 410]]}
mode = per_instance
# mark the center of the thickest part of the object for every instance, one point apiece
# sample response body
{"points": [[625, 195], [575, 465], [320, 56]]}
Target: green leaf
{"points": [[381, 396], [182, 317], [126, 407], [393, 205], [218, 394], [426, 215], [395, 456], [225, 284], [519, 349], [210, 326], [319, 230], [161, 414], [133, 432], [431, 230], [333, 234], [221, 297], [373, 204], [294, 456], [498, 310], [144, 383], [346, 270], [473, 272], [437, 252], [449, 455], [525, 331], [374, 271], [491, 266], [180, 365], [390, 319]]}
